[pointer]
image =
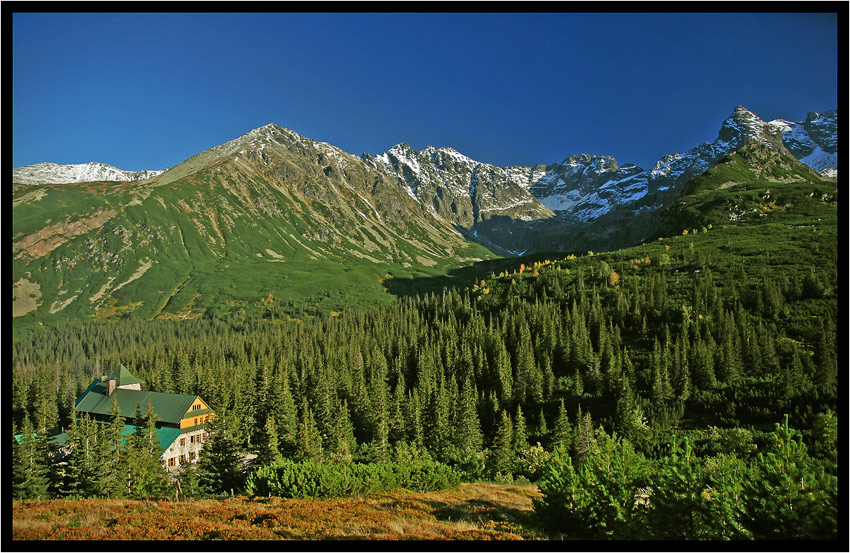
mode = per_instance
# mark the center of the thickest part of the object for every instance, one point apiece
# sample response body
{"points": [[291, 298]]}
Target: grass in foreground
{"points": [[469, 512]]}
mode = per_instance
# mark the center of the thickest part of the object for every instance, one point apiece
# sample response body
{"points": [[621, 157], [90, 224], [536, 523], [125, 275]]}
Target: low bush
{"points": [[293, 479]]}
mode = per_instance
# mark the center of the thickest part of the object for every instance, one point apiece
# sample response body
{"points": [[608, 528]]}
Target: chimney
{"points": [[110, 387]]}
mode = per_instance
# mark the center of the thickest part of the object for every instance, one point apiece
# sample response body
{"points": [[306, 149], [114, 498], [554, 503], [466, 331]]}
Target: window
{"points": [[182, 441], [196, 421], [191, 455], [171, 461], [205, 436], [192, 439], [182, 459], [196, 407]]}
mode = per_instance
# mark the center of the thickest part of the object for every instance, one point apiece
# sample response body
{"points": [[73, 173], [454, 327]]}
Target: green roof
{"points": [[170, 408], [166, 435], [123, 377], [20, 437]]}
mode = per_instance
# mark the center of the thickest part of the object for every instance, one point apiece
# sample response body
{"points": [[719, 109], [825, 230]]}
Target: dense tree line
{"points": [[492, 379]]}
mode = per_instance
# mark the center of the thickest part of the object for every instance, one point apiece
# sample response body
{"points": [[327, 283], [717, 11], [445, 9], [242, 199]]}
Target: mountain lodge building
{"points": [[181, 419]]}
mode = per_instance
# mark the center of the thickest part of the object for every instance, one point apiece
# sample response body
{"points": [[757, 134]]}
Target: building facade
{"points": [[181, 419]]}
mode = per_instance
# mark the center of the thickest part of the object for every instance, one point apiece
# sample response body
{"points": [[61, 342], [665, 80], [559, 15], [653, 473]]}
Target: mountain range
{"points": [[272, 212]]}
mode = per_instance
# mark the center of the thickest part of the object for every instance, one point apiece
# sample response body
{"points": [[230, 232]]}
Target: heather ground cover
{"points": [[468, 512]]}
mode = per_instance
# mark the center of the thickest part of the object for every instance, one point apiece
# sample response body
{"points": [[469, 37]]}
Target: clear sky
{"points": [[146, 91]]}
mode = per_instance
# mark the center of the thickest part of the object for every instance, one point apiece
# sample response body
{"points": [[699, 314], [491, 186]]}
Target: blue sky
{"points": [[146, 91]]}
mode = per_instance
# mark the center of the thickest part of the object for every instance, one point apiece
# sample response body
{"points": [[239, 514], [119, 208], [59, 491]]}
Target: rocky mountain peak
{"points": [[741, 127]]}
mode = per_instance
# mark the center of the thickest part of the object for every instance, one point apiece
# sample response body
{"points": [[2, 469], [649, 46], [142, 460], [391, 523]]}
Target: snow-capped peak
{"points": [[53, 173]]}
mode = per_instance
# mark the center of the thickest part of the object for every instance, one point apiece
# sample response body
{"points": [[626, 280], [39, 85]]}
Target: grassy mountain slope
{"points": [[747, 186], [288, 227]]}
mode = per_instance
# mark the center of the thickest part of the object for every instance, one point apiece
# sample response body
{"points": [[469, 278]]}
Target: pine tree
{"points": [[344, 444], [702, 362], [415, 428], [269, 451], [661, 389], [308, 441], [288, 422], [583, 440], [681, 373], [504, 372], [542, 429], [520, 432], [438, 421], [396, 412], [826, 375], [113, 481], [467, 436], [221, 469], [380, 446], [29, 466], [147, 475], [562, 433], [501, 456], [81, 469]]}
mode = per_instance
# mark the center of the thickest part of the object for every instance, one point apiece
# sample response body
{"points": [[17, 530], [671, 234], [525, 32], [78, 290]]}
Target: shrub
{"points": [[293, 479]]}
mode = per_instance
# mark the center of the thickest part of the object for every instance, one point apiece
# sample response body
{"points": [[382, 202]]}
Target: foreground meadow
{"points": [[469, 512]]}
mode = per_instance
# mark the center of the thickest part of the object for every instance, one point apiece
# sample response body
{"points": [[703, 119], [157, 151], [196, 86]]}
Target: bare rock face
{"points": [[50, 237]]}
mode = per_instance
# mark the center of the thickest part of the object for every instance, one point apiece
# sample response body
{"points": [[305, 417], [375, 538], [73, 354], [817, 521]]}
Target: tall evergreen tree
{"points": [[29, 465], [147, 475], [501, 456], [344, 443], [221, 468], [82, 467], [583, 439], [467, 435], [113, 480], [308, 441], [520, 431], [269, 446], [562, 433]]}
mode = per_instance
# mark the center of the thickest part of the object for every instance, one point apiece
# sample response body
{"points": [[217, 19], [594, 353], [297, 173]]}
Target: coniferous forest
{"points": [[686, 388]]}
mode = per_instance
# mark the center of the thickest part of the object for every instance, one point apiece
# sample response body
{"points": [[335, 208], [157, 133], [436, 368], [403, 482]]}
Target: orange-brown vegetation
{"points": [[469, 512]]}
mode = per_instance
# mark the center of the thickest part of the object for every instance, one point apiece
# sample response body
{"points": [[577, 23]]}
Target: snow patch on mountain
{"points": [[820, 160], [53, 173]]}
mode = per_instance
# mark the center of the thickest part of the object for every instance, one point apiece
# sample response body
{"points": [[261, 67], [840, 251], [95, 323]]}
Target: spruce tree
{"points": [[29, 466], [562, 433], [147, 475], [308, 441], [288, 422], [583, 439], [467, 436], [501, 458], [113, 450], [82, 469], [520, 434], [269, 446], [344, 443], [221, 469]]}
